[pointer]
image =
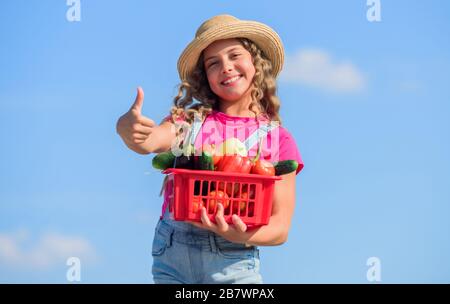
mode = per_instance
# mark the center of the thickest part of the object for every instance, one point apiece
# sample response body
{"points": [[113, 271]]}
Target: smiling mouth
{"points": [[233, 80]]}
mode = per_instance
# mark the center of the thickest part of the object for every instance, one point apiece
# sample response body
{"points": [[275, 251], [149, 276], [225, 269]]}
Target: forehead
{"points": [[221, 47]]}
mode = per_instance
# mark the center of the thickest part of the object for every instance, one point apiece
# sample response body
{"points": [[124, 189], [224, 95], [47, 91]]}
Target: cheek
{"points": [[249, 68], [212, 81]]}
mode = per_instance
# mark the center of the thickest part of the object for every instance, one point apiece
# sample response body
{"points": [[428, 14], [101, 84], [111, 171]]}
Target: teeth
{"points": [[231, 80]]}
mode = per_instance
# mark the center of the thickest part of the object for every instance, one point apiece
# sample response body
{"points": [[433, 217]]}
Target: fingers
{"points": [[139, 128], [139, 136], [146, 121], [222, 225], [238, 223], [205, 218], [139, 101]]}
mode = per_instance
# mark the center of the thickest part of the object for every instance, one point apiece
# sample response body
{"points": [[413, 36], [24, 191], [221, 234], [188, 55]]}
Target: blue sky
{"points": [[367, 102]]}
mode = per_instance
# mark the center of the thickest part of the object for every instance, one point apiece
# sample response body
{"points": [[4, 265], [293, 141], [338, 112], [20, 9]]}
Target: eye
{"points": [[235, 55], [212, 64]]}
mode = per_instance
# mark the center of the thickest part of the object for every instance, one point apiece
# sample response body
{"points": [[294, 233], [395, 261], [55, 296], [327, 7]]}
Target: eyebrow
{"points": [[229, 51]]}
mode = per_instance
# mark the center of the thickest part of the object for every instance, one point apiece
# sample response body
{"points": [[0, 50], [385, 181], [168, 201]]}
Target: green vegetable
{"points": [[163, 160], [285, 167], [206, 161]]}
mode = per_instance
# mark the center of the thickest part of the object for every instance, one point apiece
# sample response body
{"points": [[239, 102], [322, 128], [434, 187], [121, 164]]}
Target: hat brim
{"points": [[266, 39]]}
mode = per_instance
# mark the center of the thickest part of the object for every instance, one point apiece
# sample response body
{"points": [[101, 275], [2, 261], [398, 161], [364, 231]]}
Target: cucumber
{"points": [[285, 167], [206, 161], [163, 160]]}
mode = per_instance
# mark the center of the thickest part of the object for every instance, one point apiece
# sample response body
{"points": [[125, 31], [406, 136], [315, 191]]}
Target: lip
{"points": [[230, 84]]}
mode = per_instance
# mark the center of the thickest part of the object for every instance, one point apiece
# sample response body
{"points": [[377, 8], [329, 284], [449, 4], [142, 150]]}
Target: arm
{"points": [[275, 233]]}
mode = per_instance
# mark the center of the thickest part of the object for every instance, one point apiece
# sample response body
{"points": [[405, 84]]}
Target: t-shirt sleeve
{"points": [[288, 149], [169, 118]]}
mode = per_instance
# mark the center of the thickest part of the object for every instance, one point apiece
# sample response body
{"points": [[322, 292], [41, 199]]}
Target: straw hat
{"points": [[224, 27]]}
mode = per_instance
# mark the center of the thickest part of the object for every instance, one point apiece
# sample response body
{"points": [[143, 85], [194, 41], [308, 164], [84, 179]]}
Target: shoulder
{"points": [[285, 135]]}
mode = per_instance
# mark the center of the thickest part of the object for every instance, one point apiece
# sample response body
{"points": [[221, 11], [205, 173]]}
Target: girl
{"points": [[229, 69]]}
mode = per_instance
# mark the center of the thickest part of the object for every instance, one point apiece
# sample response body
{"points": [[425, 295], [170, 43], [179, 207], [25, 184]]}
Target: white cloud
{"points": [[313, 67], [50, 249]]}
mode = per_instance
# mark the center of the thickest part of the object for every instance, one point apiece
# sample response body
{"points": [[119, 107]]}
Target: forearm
{"points": [[273, 234]]}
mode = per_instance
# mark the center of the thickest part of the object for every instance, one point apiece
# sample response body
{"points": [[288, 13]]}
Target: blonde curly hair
{"points": [[196, 97]]}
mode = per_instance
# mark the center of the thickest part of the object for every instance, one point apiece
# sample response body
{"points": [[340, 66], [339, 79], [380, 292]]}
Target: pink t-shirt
{"points": [[277, 145]]}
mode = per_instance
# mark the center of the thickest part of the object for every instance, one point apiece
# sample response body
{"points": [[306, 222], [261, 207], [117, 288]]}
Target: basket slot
{"points": [[204, 188], [251, 209], [221, 185], [236, 189], [208, 197], [252, 191], [238, 207], [197, 187]]}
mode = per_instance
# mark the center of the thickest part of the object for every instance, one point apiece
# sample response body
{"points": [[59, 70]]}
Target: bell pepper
{"points": [[247, 165], [235, 163]]}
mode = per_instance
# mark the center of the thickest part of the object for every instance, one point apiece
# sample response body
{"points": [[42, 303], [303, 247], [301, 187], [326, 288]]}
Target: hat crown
{"points": [[214, 21]]}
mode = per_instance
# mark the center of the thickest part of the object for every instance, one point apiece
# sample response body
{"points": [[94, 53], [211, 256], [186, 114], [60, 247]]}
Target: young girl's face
{"points": [[227, 60]]}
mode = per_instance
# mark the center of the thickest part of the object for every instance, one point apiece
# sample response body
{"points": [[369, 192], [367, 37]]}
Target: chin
{"points": [[234, 96]]}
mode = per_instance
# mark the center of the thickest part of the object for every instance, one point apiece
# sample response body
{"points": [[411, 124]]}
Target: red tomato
{"points": [[230, 191], [240, 205], [250, 191], [221, 198], [235, 163], [263, 167], [197, 204]]}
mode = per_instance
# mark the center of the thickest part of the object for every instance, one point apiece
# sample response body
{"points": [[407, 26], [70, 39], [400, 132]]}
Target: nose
{"points": [[227, 66]]}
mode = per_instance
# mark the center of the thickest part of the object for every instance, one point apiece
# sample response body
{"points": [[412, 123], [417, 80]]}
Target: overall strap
{"points": [[196, 126], [260, 133]]}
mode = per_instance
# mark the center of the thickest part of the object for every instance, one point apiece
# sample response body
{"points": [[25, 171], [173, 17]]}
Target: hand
{"points": [[233, 233], [133, 127]]}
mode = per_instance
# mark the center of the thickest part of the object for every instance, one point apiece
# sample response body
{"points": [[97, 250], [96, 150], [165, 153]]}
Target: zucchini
{"points": [[206, 161], [163, 160], [285, 167]]}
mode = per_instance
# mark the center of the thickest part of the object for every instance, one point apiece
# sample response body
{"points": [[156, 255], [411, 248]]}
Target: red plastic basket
{"points": [[247, 195]]}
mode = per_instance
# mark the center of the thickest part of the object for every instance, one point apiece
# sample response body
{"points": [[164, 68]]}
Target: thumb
{"points": [[138, 103]]}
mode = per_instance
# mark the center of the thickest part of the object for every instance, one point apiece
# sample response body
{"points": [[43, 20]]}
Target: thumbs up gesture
{"points": [[133, 127]]}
